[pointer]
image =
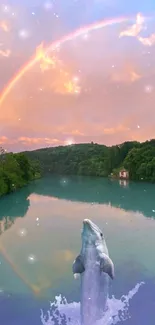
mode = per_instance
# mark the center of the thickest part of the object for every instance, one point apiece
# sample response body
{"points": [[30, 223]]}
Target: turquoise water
{"points": [[40, 237]]}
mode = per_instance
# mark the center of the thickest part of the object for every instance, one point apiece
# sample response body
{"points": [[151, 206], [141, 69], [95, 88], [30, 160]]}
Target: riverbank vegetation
{"points": [[92, 159], [16, 170]]}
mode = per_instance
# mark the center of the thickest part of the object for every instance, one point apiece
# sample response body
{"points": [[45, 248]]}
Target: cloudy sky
{"points": [[76, 71]]}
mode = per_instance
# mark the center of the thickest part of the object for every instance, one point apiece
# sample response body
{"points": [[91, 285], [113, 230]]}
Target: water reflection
{"points": [[37, 251], [54, 209], [16, 204], [123, 183], [138, 197], [134, 197]]}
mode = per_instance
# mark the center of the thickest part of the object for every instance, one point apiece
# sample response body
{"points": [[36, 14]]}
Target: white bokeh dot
{"points": [[22, 232], [31, 259]]}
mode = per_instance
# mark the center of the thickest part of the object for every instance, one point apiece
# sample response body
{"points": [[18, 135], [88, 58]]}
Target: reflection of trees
{"points": [[5, 224], [136, 197], [13, 206]]}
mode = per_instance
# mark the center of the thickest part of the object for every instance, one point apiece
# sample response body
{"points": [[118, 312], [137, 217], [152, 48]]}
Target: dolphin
{"points": [[95, 268]]}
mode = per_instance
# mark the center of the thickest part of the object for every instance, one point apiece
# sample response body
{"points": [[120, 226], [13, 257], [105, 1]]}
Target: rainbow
{"points": [[69, 37]]}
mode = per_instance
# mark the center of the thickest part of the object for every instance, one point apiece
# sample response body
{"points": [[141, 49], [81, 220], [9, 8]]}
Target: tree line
{"points": [[88, 159], [92, 159], [16, 170]]}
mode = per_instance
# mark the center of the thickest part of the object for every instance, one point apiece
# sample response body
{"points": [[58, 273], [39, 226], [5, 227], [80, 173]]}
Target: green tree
{"points": [[98, 160], [16, 170]]}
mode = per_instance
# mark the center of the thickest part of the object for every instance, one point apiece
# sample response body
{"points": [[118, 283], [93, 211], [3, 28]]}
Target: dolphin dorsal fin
{"points": [[78, 265], [106, 265]]}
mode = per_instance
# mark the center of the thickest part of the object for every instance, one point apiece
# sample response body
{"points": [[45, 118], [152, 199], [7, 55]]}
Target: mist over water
{"points": [[63, 313]]}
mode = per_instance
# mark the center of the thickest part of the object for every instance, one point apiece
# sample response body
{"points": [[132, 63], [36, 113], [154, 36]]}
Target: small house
{"points": [[123, 174]]}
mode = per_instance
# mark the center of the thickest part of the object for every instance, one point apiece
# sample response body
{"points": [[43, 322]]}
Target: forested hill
{"points": [[98, 160]]}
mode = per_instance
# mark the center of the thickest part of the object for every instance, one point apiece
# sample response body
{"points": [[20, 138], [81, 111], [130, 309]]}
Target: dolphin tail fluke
{"points": [[78, 266], [106, 265]]}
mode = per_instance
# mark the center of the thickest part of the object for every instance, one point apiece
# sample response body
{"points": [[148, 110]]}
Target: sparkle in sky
{"points": [[76, 71]]}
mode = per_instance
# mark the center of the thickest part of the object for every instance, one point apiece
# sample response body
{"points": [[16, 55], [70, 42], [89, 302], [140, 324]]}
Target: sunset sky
{"points": [[97, 84]]}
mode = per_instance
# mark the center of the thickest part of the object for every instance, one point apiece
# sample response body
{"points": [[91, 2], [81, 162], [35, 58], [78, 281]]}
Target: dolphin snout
{"points": [[86, 221], [87, 224]]}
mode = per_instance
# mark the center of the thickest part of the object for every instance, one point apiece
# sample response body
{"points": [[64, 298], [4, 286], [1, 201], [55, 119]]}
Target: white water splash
{"points": [[63, 313]]}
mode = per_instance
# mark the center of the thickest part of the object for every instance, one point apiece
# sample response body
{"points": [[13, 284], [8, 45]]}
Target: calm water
{"points": [[40, 236]]}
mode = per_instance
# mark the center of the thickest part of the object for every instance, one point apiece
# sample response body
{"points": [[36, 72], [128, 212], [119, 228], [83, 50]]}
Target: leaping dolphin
{"points": [[95, 267]]}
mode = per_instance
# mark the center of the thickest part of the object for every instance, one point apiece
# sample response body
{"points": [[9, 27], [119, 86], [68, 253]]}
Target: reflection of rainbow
{"points": [[52, 46], [34, 288]]}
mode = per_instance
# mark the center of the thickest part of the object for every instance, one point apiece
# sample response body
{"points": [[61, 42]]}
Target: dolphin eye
{"points": [[101, 234]]}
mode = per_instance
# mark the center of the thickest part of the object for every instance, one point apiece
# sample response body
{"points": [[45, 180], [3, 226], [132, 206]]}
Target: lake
{"points": [[40, 235]]}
